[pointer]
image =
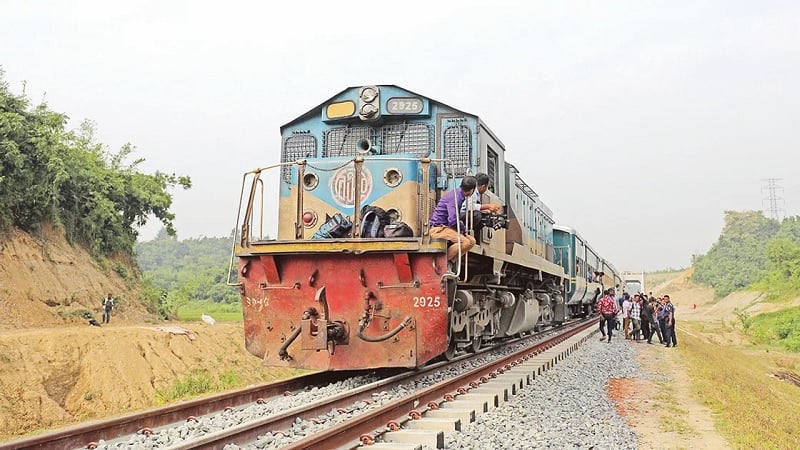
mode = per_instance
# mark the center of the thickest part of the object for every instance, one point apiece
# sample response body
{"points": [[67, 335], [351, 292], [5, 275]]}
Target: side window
{"points": [[491, 168]]}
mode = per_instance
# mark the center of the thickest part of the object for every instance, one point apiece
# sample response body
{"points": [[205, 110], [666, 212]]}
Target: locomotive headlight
{"points": [[309, 218], [369, 103], [392, 177], [368, 94], [369, 110], [310, 181]]}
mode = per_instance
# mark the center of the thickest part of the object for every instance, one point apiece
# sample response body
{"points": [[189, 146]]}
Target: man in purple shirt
{"points": [[445, 220]]}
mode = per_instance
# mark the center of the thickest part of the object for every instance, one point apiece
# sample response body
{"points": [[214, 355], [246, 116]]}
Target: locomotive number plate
{"points": [[427, 302], [404, 105]]}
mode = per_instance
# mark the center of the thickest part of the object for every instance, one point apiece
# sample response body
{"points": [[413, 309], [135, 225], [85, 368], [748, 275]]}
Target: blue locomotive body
{"points": [[334, 291]]}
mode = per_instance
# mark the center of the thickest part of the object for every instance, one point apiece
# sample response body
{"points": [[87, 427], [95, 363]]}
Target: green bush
{"points": [[780, 328]]}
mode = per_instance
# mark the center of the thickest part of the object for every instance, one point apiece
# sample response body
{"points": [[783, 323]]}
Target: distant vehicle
{"points": [[634, 282]]}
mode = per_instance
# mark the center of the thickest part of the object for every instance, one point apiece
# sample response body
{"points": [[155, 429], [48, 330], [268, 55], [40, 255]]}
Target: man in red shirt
{"points": [[607, 307]]}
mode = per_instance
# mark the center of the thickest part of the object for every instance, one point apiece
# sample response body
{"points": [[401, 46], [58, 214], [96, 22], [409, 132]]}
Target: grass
{"points": [[672, 422], [221, 312], [197, 383], [752, 409]]}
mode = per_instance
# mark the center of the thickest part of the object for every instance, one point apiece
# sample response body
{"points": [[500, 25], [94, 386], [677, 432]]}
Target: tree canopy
{"points": [[753, 251], [737, 259], [51, 174]]}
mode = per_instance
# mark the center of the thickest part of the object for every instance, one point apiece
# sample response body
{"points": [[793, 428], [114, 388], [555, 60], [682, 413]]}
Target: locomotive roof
{"points": [[314, 112]]}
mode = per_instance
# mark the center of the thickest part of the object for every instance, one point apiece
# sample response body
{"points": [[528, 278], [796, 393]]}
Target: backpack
{"points": [[397, 229], [373, 219], [334, 227]]}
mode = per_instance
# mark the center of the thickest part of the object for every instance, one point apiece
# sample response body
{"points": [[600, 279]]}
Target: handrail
{"points": [[358, 161], [248, 212]]}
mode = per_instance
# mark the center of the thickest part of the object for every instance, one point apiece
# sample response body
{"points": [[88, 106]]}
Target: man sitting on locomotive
{"points": [[482, 181], [445, 219]]}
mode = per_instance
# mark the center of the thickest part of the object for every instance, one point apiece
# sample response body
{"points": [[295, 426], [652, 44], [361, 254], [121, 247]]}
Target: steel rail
{"points": [[79, 436], [347, 432]]}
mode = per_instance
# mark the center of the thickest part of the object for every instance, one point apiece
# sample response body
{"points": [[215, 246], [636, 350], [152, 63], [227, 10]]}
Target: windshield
{"points": [[634, 287]]}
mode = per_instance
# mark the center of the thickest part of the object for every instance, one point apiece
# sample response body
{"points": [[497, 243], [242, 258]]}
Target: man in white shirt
{"points": [[475, 201], [626, 315]]}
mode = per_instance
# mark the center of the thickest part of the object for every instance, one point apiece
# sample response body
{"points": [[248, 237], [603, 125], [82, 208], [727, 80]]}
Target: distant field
{"points": [[221, 312]]}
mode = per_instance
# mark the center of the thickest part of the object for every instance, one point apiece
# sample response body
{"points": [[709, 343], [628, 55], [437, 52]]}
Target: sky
{"points": [[638, 122]]}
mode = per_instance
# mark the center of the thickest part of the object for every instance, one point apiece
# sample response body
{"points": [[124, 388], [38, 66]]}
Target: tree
{"points": [[50, 174], [783, 262], [738, 258]]}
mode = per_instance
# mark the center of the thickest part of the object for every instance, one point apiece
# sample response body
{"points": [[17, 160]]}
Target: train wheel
{"points": [[476, 344], [450, 353]]}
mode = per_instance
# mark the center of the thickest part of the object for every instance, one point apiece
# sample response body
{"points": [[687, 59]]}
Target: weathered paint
{"points": [[273, 311]]}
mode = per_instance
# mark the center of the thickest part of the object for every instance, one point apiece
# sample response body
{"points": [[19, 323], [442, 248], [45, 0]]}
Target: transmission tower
{"points": [[772, 189]]}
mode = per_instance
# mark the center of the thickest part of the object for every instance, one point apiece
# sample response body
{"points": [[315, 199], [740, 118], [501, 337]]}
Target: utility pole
{"points": [[772, 197]]}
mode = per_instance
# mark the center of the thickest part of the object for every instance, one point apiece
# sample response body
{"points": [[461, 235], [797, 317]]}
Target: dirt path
{"points": [[663, 410]]}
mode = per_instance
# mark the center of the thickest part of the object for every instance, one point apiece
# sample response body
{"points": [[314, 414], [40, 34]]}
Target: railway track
{"points": [[363, 420], [80, 436]]}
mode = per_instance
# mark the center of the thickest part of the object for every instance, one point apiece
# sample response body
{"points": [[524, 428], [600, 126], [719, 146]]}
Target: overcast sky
{"points": [[638, 122]]}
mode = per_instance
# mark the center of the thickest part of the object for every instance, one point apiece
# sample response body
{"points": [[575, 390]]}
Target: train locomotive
{"points": [[354, 280]]}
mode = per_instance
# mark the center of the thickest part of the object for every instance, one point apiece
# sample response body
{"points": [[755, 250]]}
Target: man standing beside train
{"points": [[607, 307], [626, 315], [446, 224]]}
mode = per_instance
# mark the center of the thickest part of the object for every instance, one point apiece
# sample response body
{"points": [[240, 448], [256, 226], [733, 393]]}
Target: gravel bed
{"points": [[173, 435], [566, 407]]}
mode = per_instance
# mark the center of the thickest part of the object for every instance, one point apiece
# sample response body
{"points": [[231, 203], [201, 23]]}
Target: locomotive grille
{"points": [[413, 138], [297, 147], [416, 138], [457, 146], [344, 141]]}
